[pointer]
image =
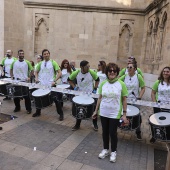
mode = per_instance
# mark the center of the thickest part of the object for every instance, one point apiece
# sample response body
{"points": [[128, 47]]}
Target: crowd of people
{"points": [[112, 85]]}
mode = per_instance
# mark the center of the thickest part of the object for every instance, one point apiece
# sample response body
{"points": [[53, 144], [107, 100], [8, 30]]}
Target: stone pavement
{"points": [[45, 143]]}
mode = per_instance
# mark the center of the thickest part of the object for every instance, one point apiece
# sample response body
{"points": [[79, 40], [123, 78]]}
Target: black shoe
{"points": [[7, 98], [74, 128], [36, 114], [17, 110], [152, 140], [95, 127], [138, 136], [29, 111], [1, 128], [61, 117]]}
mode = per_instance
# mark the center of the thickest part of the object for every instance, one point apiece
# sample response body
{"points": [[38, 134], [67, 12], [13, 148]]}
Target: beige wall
{"points": [[14, 25], [77, 35], [1, 28]]}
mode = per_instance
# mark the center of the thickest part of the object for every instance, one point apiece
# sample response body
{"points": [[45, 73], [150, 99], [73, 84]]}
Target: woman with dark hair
{"points": [[101, 71], [161, 91], [134, 82], [39, 59], [111, 101], [66, 71], [125, 71], [32, 77]]}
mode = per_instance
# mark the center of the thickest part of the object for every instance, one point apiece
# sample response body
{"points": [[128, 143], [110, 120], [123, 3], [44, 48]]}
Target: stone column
{"points": [[1, 29]]}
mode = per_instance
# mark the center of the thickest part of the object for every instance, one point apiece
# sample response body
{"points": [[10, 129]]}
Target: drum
{"points": [[14, 90], [3, 88], [160, 126], [42, 98], [133, 116], [82, 107], [61, 97]]}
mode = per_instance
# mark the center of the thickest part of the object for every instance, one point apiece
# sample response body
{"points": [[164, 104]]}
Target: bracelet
{"points": [[124, 111]]}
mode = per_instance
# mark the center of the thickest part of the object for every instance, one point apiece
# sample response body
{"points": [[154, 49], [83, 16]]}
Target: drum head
{"points": [[132, 110], [2, 83], [160, 119], [40, 92], [63, 86], [84, 100]]}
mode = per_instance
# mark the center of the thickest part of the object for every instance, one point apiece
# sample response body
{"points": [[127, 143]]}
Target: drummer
{"points": [[65, 73], [5, 66], [134, 82], [21, 69], [101, 71], [46, 74], [85, 78], [161, 91], [125, 70], [112, 101]]}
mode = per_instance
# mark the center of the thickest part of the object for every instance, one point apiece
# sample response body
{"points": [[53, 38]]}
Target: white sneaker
{"points": [[113, 157], [104, 153]]}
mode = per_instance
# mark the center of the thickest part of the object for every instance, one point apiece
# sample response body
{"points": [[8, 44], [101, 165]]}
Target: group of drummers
{"points": [[112, 85]]}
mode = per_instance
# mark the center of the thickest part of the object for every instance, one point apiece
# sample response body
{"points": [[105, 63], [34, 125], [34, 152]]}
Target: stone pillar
{"points": [[1, 29]]}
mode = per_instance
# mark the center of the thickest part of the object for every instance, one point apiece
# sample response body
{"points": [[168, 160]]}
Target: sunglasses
{"points": [[99, 65], [65, 63], [130, 67], [110, 71], [21, 53]]}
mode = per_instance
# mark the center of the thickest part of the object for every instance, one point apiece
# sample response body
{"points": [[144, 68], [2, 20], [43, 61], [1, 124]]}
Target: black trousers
{"points": [[78, 122], [109, 128], [27, 102], [57, 100]]}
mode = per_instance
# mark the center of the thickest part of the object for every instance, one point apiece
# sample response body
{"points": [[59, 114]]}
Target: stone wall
{"points": [[14, 25], [1, 28], [78, 35], [156, 42]]}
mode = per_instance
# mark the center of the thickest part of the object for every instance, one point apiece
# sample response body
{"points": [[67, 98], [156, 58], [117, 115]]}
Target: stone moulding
{"points": [[88, 8]]}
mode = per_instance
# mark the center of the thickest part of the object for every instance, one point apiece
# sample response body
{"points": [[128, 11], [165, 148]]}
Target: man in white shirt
{"points": [[21, 69], [5, 66]]}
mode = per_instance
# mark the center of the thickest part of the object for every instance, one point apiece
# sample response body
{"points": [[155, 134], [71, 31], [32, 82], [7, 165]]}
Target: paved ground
{"points": [[45, 143]]}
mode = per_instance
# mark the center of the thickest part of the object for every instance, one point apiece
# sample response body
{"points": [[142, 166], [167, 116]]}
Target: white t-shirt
{"points": [[111, 102], [64, 76], [102, 77], [162, 90], [46, 74], [7, 64], [21, 69]]}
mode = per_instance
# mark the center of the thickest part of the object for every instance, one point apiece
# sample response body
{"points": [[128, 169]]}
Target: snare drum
{"points": [[42, 98], [160, 126], [3, 89], [61, 97], [82, 107], [133, 116], [14, 90]]}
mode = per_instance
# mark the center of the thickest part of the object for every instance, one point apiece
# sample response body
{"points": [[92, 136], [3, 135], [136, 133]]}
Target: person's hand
{"points": [[138, 98], [28, 79], [37, 81], [94, 116], [53, 83], [124, 119], [94, 91], [76, 88], [2, 73]]}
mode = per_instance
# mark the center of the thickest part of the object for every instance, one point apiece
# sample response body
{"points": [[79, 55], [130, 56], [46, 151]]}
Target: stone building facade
{"points": [[94, 30]]}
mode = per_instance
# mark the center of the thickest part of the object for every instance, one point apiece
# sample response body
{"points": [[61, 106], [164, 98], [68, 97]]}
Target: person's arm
{"points": [[59, 74], [11, 70], [37, 69], [95, 78], [2, 67], [154, 91], [124, 102], [141, 85], [153, 95], [72, 77], [97, 107]]}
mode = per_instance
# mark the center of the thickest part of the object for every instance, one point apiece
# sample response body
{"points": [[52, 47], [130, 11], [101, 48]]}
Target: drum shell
{"points": [[43, 101], [17, 90], [89, 110], [164, 131], [3, 89]]}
